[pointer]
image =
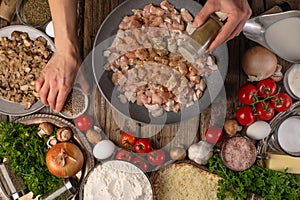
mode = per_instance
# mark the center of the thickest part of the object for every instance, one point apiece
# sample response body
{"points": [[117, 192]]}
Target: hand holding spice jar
{"points": [[238, 12]]}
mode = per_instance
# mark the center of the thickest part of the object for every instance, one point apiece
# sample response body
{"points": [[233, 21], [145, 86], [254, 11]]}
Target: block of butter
{"points": [[280, 162]]}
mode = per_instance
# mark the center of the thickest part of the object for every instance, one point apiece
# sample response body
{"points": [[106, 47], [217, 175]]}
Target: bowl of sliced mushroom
{"points": [[24, 52]]}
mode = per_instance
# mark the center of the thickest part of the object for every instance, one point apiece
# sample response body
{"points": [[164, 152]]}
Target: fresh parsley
{"points": [[267, 183], [26, 152]]}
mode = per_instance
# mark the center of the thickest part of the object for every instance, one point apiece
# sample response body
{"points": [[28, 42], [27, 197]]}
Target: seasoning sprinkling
{"points": [[36, 12]]}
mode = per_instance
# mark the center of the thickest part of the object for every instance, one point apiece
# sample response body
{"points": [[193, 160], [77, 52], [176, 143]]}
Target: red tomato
{"points": [[142, 145], [84, 122], [156, 157], [264, 111], [141, 163], [214, 134], [247, 94], [124, 155], [266, 88], [282, 102], [127, 139], [245, 116]]}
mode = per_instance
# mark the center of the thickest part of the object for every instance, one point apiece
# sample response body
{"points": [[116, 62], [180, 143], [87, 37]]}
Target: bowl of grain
{"points": [[33, 13], [75, 105]]}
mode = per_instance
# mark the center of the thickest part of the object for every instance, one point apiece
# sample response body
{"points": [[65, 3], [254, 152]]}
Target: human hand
{"points": [[238, 12], [57, 79]]}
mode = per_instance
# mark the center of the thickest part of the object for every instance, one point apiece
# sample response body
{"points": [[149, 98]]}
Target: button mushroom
{"points": [[260, 63], [178, 153], [93, 136], [64, 134], [45, 128], [231, 127]]}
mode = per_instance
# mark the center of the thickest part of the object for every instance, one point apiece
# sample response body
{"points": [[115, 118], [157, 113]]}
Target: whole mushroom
{"points": [[260, 63], [64, 134], [93, 136], [178, 152], [45, 128]]}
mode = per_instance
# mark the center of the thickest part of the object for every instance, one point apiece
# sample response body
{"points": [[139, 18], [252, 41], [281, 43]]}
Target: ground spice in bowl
{"points": [[34, 13], [75, 105]]}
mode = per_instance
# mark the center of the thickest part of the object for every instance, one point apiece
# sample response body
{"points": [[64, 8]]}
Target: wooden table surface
{"points": [[93, 12]]}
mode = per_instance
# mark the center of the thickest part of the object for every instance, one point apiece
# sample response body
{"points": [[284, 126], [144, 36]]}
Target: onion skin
{"points": [[72, 162], [259, 63]]}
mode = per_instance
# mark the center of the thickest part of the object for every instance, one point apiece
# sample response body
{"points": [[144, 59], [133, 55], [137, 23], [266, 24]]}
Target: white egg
{"points": [[258, 130], [103, 149]]}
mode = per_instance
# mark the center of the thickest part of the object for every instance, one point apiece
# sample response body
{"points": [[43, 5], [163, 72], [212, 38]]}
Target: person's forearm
{"points": [[64, 13]]}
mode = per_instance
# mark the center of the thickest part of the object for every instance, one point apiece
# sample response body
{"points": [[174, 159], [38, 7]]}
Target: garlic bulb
{"points": [[200, 152]]}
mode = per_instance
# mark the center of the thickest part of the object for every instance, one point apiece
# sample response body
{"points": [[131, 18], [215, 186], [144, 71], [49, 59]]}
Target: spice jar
{"points": [[201, 38]]}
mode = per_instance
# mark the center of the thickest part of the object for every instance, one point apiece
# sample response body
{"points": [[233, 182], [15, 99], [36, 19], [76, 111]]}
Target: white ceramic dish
{"points": [[13, 108], [288, 135], [86, 104], [286, 81], [108, 179]]}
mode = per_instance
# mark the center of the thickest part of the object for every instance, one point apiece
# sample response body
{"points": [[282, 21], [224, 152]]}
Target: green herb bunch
{"points": [[26, 151], [267, 183]]}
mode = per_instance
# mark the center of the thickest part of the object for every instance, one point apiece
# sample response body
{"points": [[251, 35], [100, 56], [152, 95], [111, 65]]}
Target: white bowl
{"points": [[73, 112]]}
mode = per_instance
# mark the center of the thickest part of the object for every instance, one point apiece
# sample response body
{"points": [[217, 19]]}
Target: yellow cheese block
{"points": [[280, 162]]}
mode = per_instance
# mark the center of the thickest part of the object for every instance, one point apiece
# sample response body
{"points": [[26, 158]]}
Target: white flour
{"points": [[117, 180]]}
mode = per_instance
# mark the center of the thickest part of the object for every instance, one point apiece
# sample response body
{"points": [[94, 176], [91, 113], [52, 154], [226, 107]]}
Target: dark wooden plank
{"points": [[167, 136]]}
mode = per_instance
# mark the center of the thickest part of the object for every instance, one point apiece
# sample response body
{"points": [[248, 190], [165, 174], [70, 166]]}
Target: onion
{"points": [[64, 159], [259, 63]]}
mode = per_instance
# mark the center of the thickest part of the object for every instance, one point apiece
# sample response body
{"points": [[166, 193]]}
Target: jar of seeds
{"points": [[34, 13]]}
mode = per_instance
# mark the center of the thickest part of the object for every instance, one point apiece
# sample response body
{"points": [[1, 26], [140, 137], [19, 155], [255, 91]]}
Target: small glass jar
{"points": [[200, 39]]}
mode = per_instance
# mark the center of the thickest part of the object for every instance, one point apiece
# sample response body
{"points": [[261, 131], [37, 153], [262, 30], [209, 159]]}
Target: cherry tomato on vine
{"points": [[124, 155], [245, 116], [127, 139], [141, 163], [282, 102], [214, 134], [247, 94], [142, 145], [156, 157], [266, 88], [264, 111]]}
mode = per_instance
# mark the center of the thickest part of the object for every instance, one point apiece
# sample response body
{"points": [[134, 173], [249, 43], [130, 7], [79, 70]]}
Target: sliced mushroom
{"points": [[277, 76], [64, 134], [45, 128]]}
